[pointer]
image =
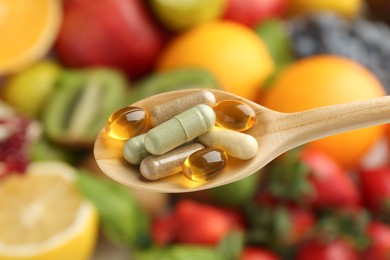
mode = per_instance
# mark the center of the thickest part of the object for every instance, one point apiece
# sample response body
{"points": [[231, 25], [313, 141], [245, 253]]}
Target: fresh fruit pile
{"points": [[66, 66]]}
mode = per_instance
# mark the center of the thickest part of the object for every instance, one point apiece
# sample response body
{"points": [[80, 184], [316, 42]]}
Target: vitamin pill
{"points": [[236, 144], [234, 114], [166, 111], [180, 129], [127, 122], [155, 167], [134, 150], [204, 164]]}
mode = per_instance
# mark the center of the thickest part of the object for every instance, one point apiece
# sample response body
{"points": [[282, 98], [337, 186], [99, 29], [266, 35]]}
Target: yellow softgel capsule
{"points": [[127, 122], [234, 115], [204, 164]]}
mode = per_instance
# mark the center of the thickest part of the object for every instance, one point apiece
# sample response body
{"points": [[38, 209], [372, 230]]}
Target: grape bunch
{"points": [[362, 40]]}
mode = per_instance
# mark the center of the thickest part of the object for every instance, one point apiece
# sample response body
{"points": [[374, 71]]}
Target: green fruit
{"points": [[179, 15], [172, 80], [194, 252], [81, 104], [122, 219], [236, 193], [43, 150], [276, 37], [28, 90]]}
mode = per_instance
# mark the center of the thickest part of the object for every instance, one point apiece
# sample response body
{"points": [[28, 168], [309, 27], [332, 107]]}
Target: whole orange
{"points": [[326, 80], [28, 30], [232, 52], [387, 136]]}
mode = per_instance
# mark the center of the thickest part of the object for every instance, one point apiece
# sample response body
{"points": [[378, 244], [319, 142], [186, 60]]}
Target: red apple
{"points": [[252, 12], [115, 33]]}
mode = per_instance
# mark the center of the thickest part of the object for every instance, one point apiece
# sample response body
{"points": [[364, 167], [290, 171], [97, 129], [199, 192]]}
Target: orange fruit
{"points": [[326, 80], [387, 133], [233, 53], [28, 30]]}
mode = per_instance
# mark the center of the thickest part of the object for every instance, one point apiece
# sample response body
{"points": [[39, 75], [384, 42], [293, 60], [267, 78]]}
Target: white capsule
{"points": [[235, 144], [180, 129], [134, 150]]}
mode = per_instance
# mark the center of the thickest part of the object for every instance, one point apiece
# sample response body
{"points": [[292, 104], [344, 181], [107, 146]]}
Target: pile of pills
{"points": [[192, 135]]}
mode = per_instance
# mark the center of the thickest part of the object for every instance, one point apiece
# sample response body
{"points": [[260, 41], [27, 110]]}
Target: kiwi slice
{"points": [[176, 79], [81, 103]]}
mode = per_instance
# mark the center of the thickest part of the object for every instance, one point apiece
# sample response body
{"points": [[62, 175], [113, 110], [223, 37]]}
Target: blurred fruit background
{"points": [[66, 65]]}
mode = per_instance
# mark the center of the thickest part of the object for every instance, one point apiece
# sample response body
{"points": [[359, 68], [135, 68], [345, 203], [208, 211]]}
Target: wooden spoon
{"points": [[275, 133]]}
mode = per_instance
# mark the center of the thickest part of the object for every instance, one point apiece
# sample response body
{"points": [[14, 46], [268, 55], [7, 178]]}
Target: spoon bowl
{"points": [[274, 131]]}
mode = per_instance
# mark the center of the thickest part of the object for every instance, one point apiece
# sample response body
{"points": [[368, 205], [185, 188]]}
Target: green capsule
{"points": [[166, 111], [134, 150], [180, 129]]}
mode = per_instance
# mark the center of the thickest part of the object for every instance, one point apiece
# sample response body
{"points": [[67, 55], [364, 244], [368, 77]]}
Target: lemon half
{"points": [[44, 216]]}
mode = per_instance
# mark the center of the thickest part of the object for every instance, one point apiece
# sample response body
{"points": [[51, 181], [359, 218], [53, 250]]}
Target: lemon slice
{"points": [[28, 29], [43, 215]]}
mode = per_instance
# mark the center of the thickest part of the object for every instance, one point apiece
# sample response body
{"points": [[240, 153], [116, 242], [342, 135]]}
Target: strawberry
{"points": [[379, 234], [302, 222], [337, 235], [311, 177], [332, 184], [278, 226], [336, 249], [375, 187], [198, 223], [162, 229], [257, 253]]}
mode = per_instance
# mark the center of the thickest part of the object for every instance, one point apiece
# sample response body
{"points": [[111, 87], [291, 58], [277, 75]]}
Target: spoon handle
{"points": [[320, 122]]}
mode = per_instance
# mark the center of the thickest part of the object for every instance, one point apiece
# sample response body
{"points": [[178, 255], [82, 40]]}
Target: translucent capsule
{"points": [[134, 150], [155, 167], [166, 111], [235, 144], [204, 164], [127, 122], [180, 129], [234, 115]]}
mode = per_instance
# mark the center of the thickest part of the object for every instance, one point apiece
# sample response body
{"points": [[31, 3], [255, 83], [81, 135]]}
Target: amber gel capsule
{"points": [[166, 111], [235, 115], [204, 164], [155, 167], [134, 149], [180, 129], [236, 144], [127, 122]]}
